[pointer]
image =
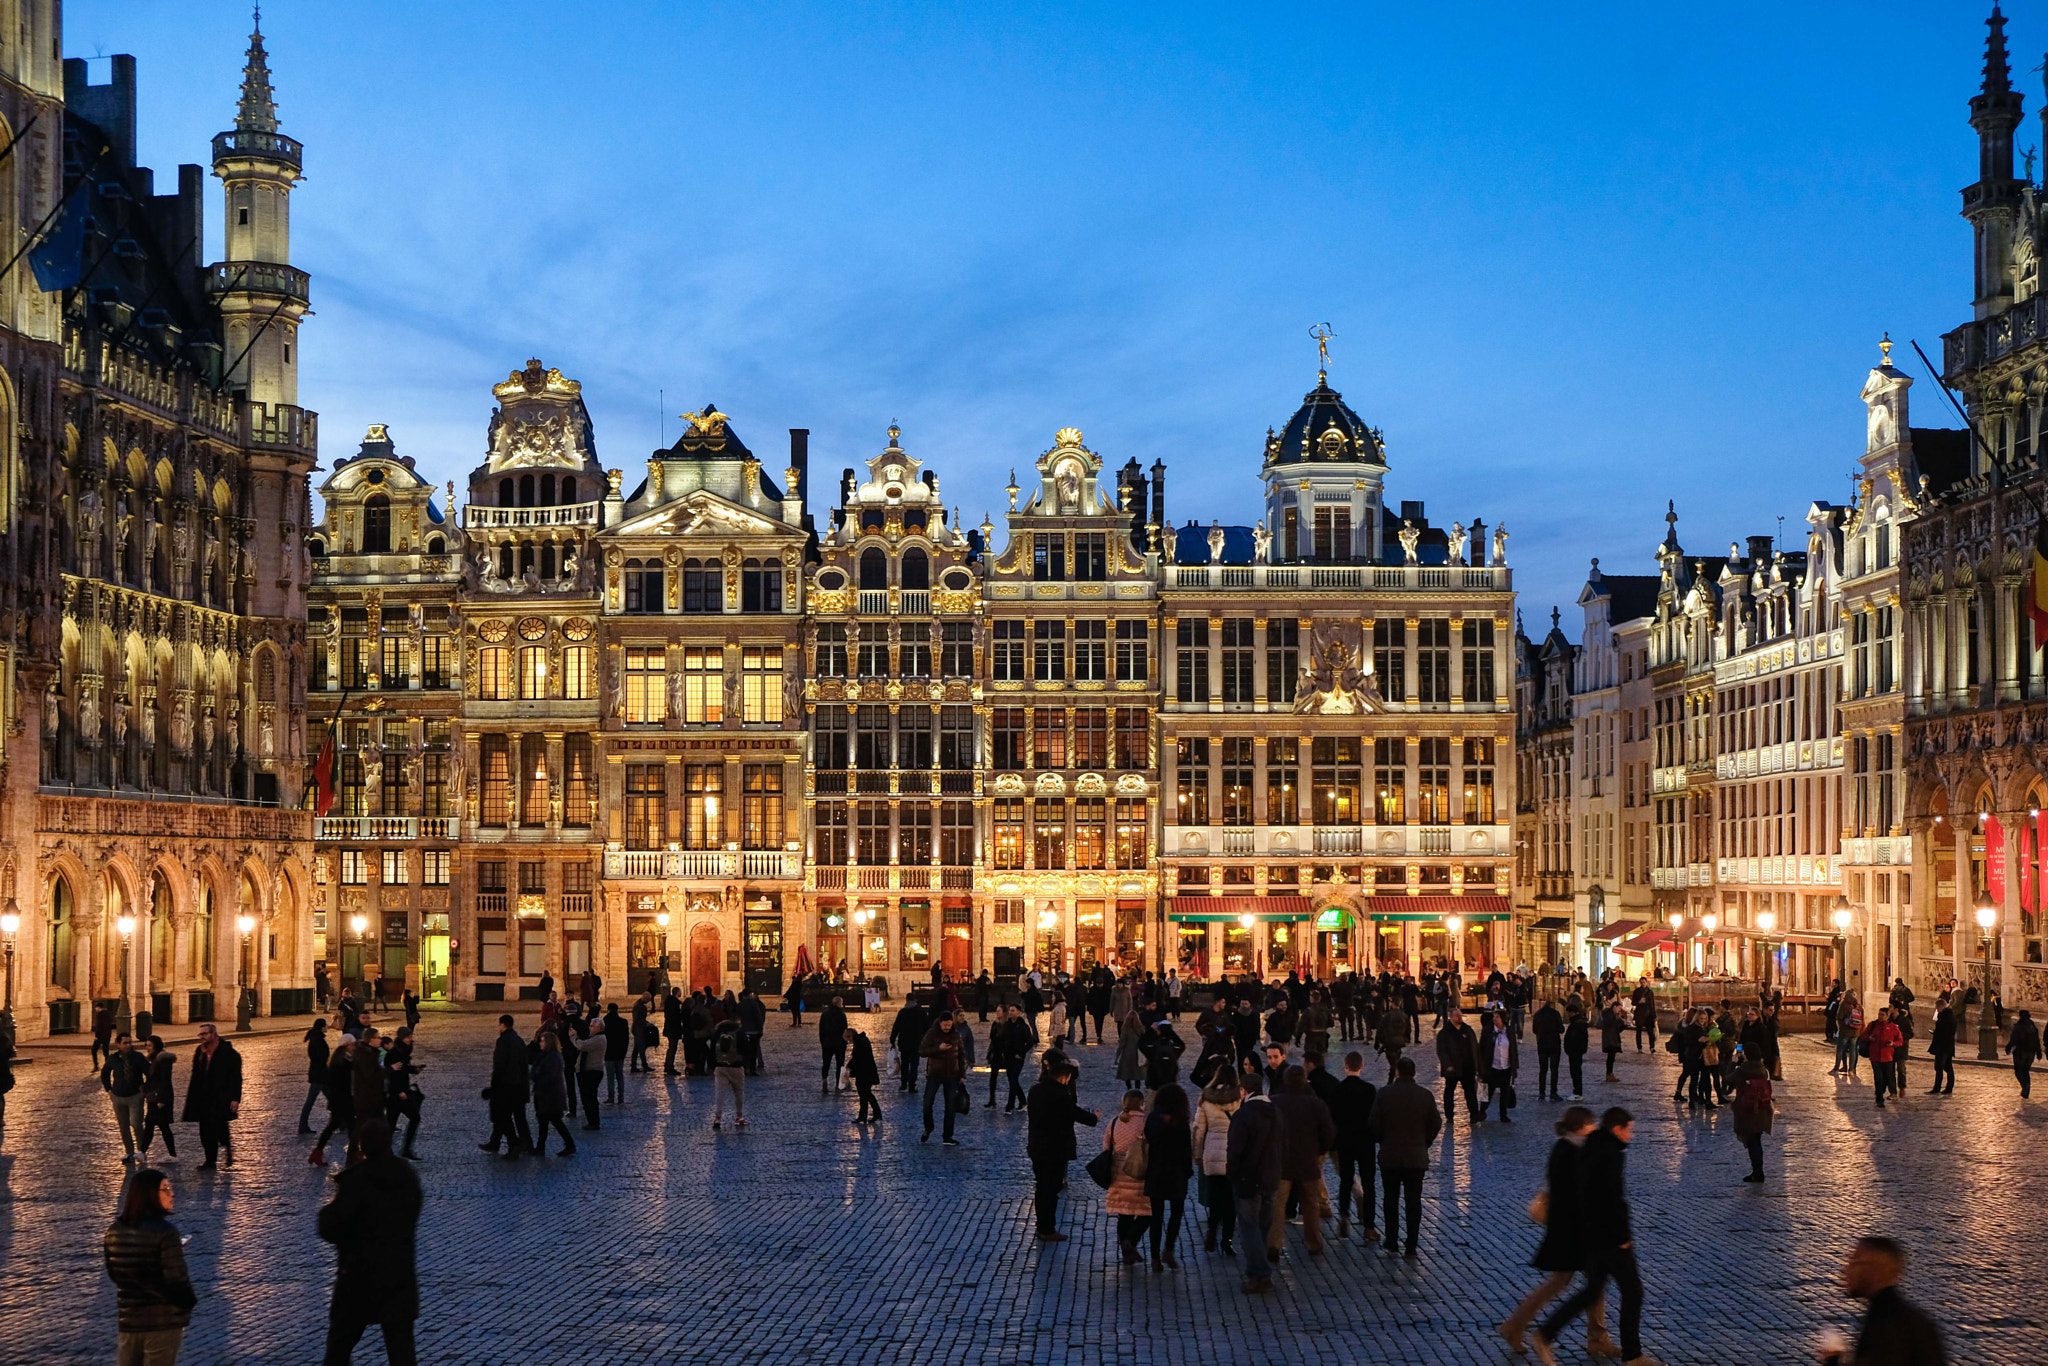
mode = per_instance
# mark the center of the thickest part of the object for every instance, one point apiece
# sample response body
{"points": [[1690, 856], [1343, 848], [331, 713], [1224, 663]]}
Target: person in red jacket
{"points": [[1881, 1042]]}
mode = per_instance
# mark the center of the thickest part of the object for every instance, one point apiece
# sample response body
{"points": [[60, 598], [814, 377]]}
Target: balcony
{"points": [[917, 602], [244, 143], [258, 277], [1238, 843], [477, 516], [636, 863], [1435, 839], [1338, 839], [384, 829], [703, 864], [873, 602], [282, 426]]}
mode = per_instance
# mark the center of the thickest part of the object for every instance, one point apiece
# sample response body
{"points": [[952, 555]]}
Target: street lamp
{"points": [[10, 922], [126, 925], [1842, 916], [244, 1006], [1707, 923], [1987, 1020], [1767, 921], [359, 923]]}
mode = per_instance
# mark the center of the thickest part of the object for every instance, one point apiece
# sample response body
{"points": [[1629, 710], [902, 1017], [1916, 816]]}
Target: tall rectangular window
{"points": [[1390, 657], [646, 807], [579, 673], [493, 675], [761, 684], [1336, 775], [914, 649], [1191, 636], [533, 780], [1007, 648], [703, 685], [394, 670], [1048, 556], [703, 586], [434, 662], [1049, 833], [579, 787], [1132, 665], [1131, 833], [1133, 737], [1478, 641], [1390, 779], [1091, 556], [829, 747], [703, 813], [533, 672], [393, 871], [644, 583], [956, 834], [434, 867], [355, 868], [1881, 647], [871, 739], [761, 814], [646, 685], [1237, 780], [1009, 737], [1048, 650], [1433, 660], [434, 783], [828, 831], [761, 586], [1283, 776], [1237, 659], [495, 796], [1191, 779], [914, 737], [1479, 782], [956, 737], [1091, 738], [1290, 535], [1048, 737], [1283, 659], [1006, 826], [1091, 651], [871, 833], [1091, 833], [914, 832], [830, 650], [956, 649], [355, 662], [874, 649], [1433, 780]]}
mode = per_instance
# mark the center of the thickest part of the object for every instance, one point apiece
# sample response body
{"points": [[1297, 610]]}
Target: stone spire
{"points": [[1992, 203], [1997, 72], [257, 112]]}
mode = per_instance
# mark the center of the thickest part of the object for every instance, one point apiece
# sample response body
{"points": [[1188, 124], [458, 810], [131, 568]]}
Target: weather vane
{"points": [[1321, 335]]}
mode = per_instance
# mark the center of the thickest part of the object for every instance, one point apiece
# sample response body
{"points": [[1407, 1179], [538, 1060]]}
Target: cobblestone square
{"points": [[800, 1239]]}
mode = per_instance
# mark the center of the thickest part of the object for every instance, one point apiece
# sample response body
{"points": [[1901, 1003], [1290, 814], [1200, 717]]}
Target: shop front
{"points": [[1260, 935], [1470, 934], [1333, 926], [1602, 940], [761, 931]]}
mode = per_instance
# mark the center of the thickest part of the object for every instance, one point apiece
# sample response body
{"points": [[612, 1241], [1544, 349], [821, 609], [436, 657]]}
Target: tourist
{"points": [[618, 1040], [1753, 1112], [729, 1072], [1404, 1124], [411, 1001], [905, 1037], [401, 1093], [1211, 1146], [860, 1066], [1644, 1002], [1049, 1143], [672, 1027], [1848, 1031], [1577, 1038], [366, 1087], [1396, 1029], [338, 1085], [2023, 1046], [1561, 1252], [1308, 1134], [1606, 1241], [213, 1096], [550, 1096], [1894, 1332], [589, 1046], [1254, 1158], [1457, 1062], [372, 1221], [1126, 1197], [1501, 1057], [1610, 1036], [157, 1098], [145, 1259], [1881, 1041], [1162, 1049], [945, 1073], [123, 1077], [1941, 1047], [317, 1050], [1351, 1102], [753, 1016], [102, 1035], [507, 1093], [832, 1045], [1130, 1057], [643, 1033], [1548, 1026]]}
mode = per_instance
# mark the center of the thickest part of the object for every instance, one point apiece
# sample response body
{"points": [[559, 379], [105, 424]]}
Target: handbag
{"points": [[1711, 1055], [1101, 1168], [1539, 1207], [961, 1104]]}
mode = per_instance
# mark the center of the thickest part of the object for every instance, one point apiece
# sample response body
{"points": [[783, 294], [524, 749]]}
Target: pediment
{"points": [[701, 513]]}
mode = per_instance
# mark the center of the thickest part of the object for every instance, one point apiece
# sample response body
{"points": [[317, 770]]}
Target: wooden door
{"points": [[707, 966]]}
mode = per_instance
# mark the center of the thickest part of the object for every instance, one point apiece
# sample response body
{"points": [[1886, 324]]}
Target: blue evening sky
{"points": [[1579, 259]]}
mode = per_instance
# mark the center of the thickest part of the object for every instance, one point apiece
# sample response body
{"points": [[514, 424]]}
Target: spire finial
{"points": [[1554, 614], [1321, 334], [257, 112], [1997, 74], [1884, 347]]}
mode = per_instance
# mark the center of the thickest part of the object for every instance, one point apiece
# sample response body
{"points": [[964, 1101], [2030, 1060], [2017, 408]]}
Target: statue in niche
{"points": [[1409, 538], [1333, 684], [1459, 541], [1262, 542], [1215, 542]]}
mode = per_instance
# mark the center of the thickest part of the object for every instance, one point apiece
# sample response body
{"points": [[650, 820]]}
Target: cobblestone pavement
{"points": [[801, 1240]]}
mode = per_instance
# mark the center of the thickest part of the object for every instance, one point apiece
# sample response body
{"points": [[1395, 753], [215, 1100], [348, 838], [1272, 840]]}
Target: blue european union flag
{"points": [[59, 259]]}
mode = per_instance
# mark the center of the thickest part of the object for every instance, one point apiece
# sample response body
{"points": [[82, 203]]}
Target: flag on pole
{"points": [[58, 260], [2037, 585]]}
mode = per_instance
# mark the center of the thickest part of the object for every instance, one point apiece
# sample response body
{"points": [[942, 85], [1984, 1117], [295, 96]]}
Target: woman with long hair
{"points": [[1170, 1161], [1127, 1199], [145, 1259], [1562, 1252]]}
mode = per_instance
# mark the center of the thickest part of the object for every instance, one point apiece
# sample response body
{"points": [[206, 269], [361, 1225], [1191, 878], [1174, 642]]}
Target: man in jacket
{"points": [[1606, 1241], [372, 1221], [1393, 1034], [1548, 1027], [1500, 1053], [508, 1092], [1882, 1040], [945, 1071], [124, 1077], [1941, 1046], [1351, 1102], [1644, 1000], [1017, 1044], [1894, 1332], [672, 1028], [1404, 1122], [213, 1096], [1307, 1134], [1253, 1166], [2023, 1046], [906, 1036], [753, 1024], [1457, 1062], [618, 1038], [588, 1052], [1049, 1142], [366, 1086], [832, 1045]]}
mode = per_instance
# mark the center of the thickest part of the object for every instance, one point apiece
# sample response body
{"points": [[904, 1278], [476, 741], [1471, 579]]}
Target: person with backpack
{"points": [[1211, 1146], [729, 1073], [2023, 1046], [1880, 1041], [1753, 1112]]}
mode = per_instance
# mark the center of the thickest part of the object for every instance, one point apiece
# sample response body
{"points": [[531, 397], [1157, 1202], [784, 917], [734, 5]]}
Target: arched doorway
{"points": [[707, 966]]}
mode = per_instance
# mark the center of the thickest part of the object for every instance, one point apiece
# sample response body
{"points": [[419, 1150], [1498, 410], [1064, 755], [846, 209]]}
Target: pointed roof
{"points": [[1997, 73], [257, 112]]}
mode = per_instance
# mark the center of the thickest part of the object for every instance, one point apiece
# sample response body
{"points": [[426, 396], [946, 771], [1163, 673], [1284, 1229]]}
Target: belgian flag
{"points": [[2037, 584]]}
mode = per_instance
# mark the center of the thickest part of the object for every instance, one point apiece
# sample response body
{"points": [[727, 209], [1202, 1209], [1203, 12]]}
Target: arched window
{"points": [[505, 562], [547, 490], [436, 546], [547, 559], [200, 954], [317, 549], [526, 490], [504, 493], [525, 554], [568, 490], [916, 569], [874, 568], [63, 954], [376, 525], [761, 586]]}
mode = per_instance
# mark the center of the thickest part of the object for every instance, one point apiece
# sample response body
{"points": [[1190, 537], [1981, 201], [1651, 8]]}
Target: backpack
{"points": [[725, 1049]]}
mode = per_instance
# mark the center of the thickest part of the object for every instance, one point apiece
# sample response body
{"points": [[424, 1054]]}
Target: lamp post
{"points": [[244, 1005], [359, 923], [126, 925], [1708, 922], [1453, 926], [10, 923], [1843, 915], [661, 921], [1987, 1019], [1767, 921]]}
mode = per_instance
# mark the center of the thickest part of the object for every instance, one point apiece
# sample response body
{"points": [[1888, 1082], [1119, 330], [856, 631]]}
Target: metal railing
{"points": [[475, 515]]}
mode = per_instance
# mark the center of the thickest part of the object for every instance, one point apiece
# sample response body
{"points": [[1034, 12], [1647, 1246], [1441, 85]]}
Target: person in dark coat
{"points": [[1098, 1002], [213, 1096], [1049, 1142], [550, 1095], [1500, 1061], [1562, 1252], [832, 1044], [1895, 1332], [1162, 1049], [1607, 1241], [1405, 1121], [672, 1028], [401, 1093], [158, 1099], [1350, 1102], [508, 1091], [339, 1088], [861, 1068], [145, 1259], [1457, 1062], [1548, 1026], [1308, 1135], [905, 1036], [1577, 1037], [1753, 1112], [366, 1085], [317, 1049], [372, 1221], [1941, 1048], [1170, 1162], [1255, 1147], [2023, 1046]]}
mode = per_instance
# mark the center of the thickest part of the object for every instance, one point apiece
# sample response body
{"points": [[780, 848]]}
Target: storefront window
{"points": [[917, 934], [1130, 932], [1393, 948], [1048, 942], [1194, 950], [1279, 948], [1088, 934], [1237, 949], [831, 938], [874, 952]]}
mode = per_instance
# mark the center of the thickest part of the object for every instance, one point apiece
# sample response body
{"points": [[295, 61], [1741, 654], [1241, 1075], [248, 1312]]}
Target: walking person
{"points": [[618, 1038], [411, 1001], [832, 1045], [507, 1093], [338, 1085], [1754, 1112], [1501, 1056], [1308, 1135], [589, 1053], [373, 1222], [1895, 1332], [145, 1259], [1576, 1039], [213, 1096], [2023, 1046], [1254, 1157], [366, 1087], [861, 1068], [1848, 1033], [102, 1035], [1881, 1040], [1130, 1056], [945, 1073], [643, 1033], [124, 1077], [550, 1097], [1562, 1252], [1643, 1014], [672, 1027], [906, 1035], [1457, 1062], [1351, 1102], [1548, 1026], [1610, 1036], [401, 1093], [1126, 1197], [1607, 1241], [157, 1099], [317, 1049], [728, 1072], [1049, 1143], [1941, 1047], [1211, 1145], [1404, 1123]]}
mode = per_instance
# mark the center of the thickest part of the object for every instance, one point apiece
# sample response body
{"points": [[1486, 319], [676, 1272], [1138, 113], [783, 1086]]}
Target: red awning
{"points": [[1268, 908], [1646, 941], [1473, 907], [1615, 933]]}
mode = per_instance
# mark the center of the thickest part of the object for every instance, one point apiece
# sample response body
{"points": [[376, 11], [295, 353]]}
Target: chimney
{"points": [[1159, 493], [800, 459], [1759, 551]]}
